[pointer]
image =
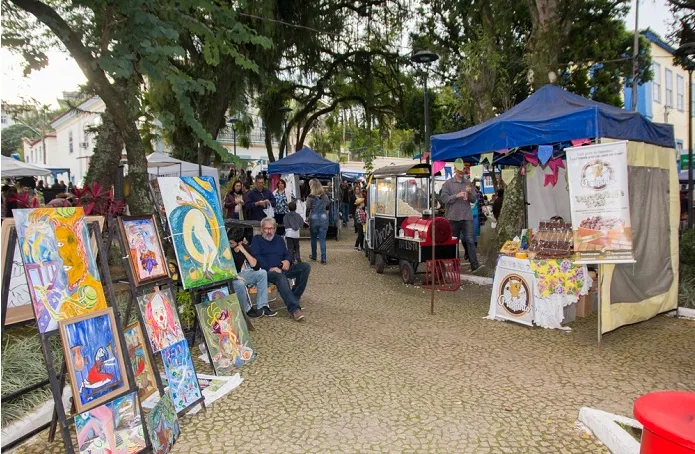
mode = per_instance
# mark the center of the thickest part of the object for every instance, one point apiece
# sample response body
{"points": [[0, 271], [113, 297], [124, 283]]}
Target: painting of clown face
{"points": [[161, 321]]}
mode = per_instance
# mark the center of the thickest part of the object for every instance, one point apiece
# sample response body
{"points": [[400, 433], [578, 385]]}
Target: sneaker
{"points": [[356, 248], [477, 268], [268, 312], [298, 315], [323, 262], [254, 313], [311, 257]]}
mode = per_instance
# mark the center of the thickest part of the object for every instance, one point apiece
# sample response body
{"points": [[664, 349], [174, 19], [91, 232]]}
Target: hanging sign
{"points": [[600, 203]]}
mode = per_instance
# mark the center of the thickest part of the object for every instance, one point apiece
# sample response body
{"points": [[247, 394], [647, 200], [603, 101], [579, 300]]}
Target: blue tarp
{"points": [[305, 162], [550, 116]]}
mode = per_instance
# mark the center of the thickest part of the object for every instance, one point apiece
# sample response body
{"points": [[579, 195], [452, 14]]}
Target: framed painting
{"points": [[195, 221], [113, 427], [94, 358], [226, 334], [145, 252], [213, 294], [140, 361], [59, 265], [163, 425], [161, 320], [178, 368]]}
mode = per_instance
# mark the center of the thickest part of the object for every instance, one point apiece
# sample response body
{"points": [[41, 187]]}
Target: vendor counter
{"points": [[537, 291]]}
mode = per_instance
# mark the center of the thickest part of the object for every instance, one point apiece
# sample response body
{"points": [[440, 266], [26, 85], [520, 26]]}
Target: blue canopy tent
{"points": [[549, 116], [305, 162], [552, 116]]}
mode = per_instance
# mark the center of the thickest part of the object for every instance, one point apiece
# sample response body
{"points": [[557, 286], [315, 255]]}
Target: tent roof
{"points": [[550, 115], [13, 168], [305, 162], [157, 159]]}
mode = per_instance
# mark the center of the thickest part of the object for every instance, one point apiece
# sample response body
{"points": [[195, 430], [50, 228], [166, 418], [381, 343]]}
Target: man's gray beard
{"points": [[268, 237]]}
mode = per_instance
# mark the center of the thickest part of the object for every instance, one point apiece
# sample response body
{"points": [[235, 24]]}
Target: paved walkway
{"points": [[372, 371]]}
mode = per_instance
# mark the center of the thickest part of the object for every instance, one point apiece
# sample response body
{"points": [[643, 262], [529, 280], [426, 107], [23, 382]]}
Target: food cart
{"points": [[399, 221]]}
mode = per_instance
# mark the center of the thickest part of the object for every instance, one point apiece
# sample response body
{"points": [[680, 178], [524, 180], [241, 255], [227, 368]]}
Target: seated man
{"points": [[272, 254], [249, 275]]}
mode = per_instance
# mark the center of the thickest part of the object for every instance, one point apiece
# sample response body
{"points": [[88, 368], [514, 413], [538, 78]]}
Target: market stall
{"points": [[536, 135]]}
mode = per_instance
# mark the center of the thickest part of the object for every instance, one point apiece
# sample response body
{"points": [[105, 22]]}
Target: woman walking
{"points": [[280, 201], [234, 201], [317, 204]]}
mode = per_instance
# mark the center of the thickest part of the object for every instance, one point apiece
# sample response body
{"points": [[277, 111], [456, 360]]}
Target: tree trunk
{"points": [[107, 153], [512, 216], [548, 36], [268, 137]]}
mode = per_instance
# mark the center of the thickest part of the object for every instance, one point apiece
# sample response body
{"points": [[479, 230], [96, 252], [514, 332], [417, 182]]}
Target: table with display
{"points": [[536, 292]]}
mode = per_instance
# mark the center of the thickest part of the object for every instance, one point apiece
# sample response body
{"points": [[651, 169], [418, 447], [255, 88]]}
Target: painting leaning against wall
{"points": [[60, 266], [197, 229]]}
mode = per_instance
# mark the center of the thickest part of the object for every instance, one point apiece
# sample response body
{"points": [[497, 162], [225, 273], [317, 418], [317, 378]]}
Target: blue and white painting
{"points": [[94, 358], [197, 229], [178, 368]]}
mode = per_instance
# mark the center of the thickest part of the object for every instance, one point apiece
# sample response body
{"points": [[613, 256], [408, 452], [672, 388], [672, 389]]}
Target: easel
{"points": [[113, 232], [57, 380]]}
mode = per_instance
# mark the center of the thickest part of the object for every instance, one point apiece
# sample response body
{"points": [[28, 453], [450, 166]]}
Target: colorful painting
{"points": [[216, 293], [161, 320], [197, 228], [95, 361], [145, 252], [142, 369], [226, 334], [163, 425], [59, 265], [115, 427], [183, 383]]}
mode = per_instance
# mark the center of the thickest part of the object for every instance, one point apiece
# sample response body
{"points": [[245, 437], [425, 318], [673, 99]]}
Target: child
{"points": [[360, 221], [293, 222]]}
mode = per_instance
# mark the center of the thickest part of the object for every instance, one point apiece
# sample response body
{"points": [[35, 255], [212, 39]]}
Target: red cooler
{"points": [[668, 418]]}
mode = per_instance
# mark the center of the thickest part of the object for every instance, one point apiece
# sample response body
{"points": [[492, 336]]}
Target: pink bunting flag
{"points": [[551, 179], [580, 142], [503, 151], [437, 166], [531, 158]]}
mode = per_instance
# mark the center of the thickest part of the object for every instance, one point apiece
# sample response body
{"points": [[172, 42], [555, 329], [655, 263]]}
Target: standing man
{"points": [[258, 199], [457, 195], [345, 201]]}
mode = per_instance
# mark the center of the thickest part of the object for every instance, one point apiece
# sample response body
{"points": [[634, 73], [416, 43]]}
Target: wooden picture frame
{"points": [[146, 226], [91, 337], [135, 340]]}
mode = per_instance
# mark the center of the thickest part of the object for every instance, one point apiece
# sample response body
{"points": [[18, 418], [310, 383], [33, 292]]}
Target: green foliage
{"points": [[687, 248], [12, 138], [186, 309]]}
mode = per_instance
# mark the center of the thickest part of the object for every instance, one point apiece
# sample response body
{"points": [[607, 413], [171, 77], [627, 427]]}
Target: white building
{"points": [[665, 99], [34, 152], [7, 118], [74, 142]]}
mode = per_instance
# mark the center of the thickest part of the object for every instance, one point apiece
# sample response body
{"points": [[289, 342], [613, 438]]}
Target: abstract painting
{"points": [[140, 361], [145, 253], [161, 320], [18, 299], [212, 295], [178, 367], [94, 358], [59, 265], [114, 427], [163, 425], [226, 334], [197, 229]]}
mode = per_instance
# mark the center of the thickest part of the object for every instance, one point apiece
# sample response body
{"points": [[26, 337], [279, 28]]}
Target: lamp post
{"points": [[425, 57], [284, 110], [685, 51], [232, 122]]}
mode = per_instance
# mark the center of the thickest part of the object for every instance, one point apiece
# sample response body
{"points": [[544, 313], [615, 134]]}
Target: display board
{"points": [[512, 291]]}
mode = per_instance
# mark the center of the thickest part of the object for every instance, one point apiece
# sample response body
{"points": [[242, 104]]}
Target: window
{"points": [[656, 69], [70, 143], [4, 120], [680, 93], [668, 101]]}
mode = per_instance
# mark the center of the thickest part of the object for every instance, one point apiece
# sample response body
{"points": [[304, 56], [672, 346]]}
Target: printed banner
{"points": [[599, 203], [512, 291]]}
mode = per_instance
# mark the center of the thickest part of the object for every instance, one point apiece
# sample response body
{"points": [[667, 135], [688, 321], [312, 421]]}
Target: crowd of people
{"points": [[30, 190]]}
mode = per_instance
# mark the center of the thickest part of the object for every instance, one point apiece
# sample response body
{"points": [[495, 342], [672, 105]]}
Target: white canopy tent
{"points": [[13, 168], [161, 165]]}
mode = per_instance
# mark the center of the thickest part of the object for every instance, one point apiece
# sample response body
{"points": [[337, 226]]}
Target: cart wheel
{"points": [[380, 262], [407, 272], [372, 257]]}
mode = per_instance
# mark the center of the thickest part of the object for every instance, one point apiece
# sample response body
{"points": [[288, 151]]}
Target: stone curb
{"points": [[476, 279], [603, 425]]}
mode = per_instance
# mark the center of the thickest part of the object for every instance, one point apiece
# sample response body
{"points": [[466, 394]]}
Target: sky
{"points": [[63, 74]]}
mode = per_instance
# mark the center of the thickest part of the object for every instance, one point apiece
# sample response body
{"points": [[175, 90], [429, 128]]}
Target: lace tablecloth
{"points": [[559, 283]]}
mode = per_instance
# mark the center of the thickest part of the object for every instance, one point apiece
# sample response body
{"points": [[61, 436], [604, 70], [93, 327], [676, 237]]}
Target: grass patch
{"points": [[633, 431], [686, 291]]}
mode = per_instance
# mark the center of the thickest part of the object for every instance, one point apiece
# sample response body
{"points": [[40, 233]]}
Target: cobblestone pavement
{"points": [[370, 370]]}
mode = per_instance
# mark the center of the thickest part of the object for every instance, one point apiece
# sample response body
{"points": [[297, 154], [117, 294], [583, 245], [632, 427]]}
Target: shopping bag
{"points": [[270, 212]]}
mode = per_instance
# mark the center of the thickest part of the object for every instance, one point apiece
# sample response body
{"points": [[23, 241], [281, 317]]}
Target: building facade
{"points": [[34, 152], [665, 99]]}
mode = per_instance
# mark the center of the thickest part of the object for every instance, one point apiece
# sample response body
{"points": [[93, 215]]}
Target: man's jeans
{"points": [[345, 210], [468, 239], [260, 280], [300, 273]]}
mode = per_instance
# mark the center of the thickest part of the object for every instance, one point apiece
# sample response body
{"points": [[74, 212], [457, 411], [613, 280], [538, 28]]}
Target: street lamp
{"points": [[684, 51], [284, 110], [425, 57], [232, 122]]}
